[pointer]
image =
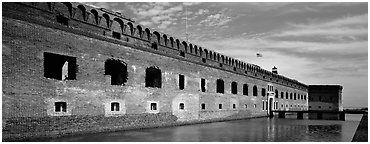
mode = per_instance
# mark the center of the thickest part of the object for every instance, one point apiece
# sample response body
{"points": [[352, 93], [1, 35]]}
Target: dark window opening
{"points": [[263, 92], [219, 106], [60, 107], [234, 88], [116, 35], [282, 95], [309, 106], [245, 89], [203, 106], [203, 60], [286, 95], [153, 106], [246, 106], [59, 67], [234, 106], [276, 93], [154, 46], [117, 70], [330, 107], [255, 93], [291, 96], [220, 86], [203, 85], [319, 107], [153, 77], [114, 106], [295, 96], [234, 68], [267, 103], [62, 19], [181, 106], [182, 53], [181, 82], [220, 64]]}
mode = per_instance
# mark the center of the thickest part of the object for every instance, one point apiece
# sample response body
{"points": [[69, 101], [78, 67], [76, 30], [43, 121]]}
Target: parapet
{"points": [[103, 22]]}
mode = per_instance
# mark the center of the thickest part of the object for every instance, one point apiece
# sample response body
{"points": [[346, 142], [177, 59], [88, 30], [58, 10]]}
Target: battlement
{"points": [[114, 25]]}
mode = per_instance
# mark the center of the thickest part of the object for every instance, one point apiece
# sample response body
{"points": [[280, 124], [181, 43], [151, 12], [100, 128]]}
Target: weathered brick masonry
{"points": [[60, 76]]}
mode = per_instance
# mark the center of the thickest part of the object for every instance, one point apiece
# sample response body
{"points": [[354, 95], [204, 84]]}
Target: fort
{"points": [[69, 68]]}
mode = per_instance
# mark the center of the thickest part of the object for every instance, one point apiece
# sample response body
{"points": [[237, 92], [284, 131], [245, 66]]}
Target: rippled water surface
{"points": [[258, 129]]}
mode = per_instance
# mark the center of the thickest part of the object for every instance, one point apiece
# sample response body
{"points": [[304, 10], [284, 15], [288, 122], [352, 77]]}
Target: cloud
{"points": [[164, 24], [191, 3], [346, 21], [322, 31], [216, 20], [146, 23], [202, 11], [344, 29]]}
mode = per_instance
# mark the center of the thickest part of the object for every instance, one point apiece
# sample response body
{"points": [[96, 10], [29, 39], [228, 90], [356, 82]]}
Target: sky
{"points": [[314, 43]]}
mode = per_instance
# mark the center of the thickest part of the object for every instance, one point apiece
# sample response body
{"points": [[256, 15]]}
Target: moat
{"points": [[249, 130]]}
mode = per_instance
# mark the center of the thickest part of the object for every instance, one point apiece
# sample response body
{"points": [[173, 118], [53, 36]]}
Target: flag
{"points": [[259, 55]]}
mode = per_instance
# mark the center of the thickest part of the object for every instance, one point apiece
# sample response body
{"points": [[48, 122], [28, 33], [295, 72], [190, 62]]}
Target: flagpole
{"points": [[186, 23]]}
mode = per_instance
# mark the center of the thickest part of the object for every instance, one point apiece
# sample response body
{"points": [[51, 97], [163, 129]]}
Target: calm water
{"points": [[258, 129]]}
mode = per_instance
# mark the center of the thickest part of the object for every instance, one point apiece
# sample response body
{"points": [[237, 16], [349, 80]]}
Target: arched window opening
{"points": [[117, 70], [255, 93], [185, 46], [171, 41], [206, 53], [131, 27], [140, 31], [106, 18], [59, 67], [178, 43], [245, 89], [117, 25], [291, 96], [147, 31], [95, 16], [153, 77], [200, 51], [81, 12], [165, 40], [69, 6], [196, 50], [263, 92], [220, 86], [158, 37], [234, 88], [191, 48]]}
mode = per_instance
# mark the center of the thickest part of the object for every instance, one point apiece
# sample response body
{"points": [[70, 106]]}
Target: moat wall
{"points": [[29, 98]]}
